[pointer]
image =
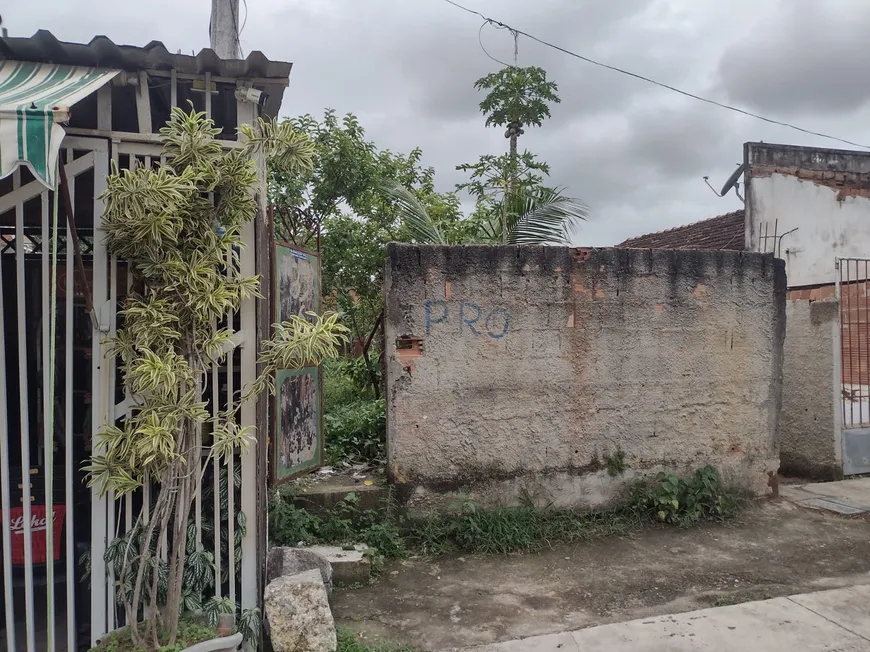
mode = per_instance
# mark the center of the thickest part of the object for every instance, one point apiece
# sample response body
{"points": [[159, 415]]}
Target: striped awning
{"points": [[34, 99]]}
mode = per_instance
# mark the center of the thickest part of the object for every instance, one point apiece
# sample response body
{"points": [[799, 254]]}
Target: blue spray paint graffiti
{"points": [[496, 324]]}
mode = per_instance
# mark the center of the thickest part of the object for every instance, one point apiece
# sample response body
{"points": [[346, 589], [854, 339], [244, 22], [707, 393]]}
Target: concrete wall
{"points": [[522, 370], [810, 445], [823, 194]]}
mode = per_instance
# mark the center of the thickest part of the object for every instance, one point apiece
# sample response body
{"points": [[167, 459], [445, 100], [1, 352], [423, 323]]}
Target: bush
{"points": [[345, 524], [472, 529], [356, 432], [339, 386], [354, 420], [671, 499]]}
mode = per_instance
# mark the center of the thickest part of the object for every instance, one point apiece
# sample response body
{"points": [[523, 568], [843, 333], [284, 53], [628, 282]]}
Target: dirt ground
{"points": [[774, 549]]}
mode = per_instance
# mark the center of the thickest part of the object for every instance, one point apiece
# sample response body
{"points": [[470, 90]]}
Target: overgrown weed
{"points": [[470, 528]]}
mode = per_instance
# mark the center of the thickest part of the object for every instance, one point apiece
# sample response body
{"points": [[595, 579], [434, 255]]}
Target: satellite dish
{"points": [[733, 179]]}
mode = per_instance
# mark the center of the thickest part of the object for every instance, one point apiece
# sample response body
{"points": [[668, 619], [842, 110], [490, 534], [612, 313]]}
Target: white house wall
{"points": [[829, 226], [808, 206]]}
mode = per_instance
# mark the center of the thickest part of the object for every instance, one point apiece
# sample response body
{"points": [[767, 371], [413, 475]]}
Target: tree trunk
{"points": [[510, 189]]}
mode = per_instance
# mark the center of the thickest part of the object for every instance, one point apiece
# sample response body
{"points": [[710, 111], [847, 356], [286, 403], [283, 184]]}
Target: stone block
{"points": [[297, 615], [291, 561]]}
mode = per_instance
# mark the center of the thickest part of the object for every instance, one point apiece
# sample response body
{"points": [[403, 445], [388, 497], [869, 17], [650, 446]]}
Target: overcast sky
{"points": [[635, 153]]}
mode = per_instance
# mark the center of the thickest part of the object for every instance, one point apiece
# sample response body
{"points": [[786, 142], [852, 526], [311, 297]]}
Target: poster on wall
{"points": [[297, 282], [297, 437]]}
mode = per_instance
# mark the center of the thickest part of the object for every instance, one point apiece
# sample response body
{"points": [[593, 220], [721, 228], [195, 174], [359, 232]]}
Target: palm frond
{"points": [[544, 217], [420, 225]]}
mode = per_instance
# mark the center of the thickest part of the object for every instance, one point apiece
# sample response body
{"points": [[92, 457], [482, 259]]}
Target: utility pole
{"points": [[224, 28]]}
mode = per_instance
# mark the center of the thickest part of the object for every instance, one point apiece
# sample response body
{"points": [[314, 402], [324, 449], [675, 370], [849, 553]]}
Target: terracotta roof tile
{"points": [[723, 232]]}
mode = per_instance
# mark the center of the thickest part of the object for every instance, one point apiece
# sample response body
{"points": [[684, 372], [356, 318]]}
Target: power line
{"points": [[515, 31], [233, 7]]}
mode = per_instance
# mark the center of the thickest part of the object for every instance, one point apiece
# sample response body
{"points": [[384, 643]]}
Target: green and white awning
{"points": [[34, 99]]}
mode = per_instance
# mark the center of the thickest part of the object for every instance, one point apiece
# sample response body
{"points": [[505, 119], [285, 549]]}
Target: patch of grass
{"points": [[738, 597], [189, 633], [503, 530], [615, 464], [470, 528], [349, 641]]}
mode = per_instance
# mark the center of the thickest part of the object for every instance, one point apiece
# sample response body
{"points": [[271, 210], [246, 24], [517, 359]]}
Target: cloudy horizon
{"points": [[634, 152]]}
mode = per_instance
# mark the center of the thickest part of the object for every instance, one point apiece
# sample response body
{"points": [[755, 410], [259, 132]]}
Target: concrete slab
{"points": [[848, 497], [837, 506], [849, 608], [855, 490], [830, 621], [349, 567]]}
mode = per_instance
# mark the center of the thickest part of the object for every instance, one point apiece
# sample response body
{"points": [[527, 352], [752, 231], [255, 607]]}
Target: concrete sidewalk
{"points": [[833, 621]]}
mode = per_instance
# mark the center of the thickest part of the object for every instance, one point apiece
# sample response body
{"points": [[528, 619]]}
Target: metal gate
{"points": [[852, 292], [62, 598], [41, 494]]}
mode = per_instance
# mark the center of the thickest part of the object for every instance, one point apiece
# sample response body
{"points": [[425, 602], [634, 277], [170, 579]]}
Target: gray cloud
{"points": [[634, 152], [808, 56]]}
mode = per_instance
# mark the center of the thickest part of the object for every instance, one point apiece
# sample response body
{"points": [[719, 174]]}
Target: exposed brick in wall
{"points": [[849, 184], [854, 315]]}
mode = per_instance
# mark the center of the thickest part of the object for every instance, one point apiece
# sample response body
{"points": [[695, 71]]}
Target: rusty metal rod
{"points": [[66, 202]]}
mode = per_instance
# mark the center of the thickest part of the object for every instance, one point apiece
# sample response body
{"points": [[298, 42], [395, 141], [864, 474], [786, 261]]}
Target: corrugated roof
{"points": [[723, 232], [102, 52]]}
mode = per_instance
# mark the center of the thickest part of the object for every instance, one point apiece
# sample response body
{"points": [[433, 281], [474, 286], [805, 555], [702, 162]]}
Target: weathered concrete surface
{"points": [[774, 550], [297, 615], [844, 497], [810, 445], [522, 370], [349, 567], [816, 622]]}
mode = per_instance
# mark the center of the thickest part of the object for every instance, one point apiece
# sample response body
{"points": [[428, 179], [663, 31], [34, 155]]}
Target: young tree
{"points": [[343, 193], [513, 205], [183, 252], [517, 97]]}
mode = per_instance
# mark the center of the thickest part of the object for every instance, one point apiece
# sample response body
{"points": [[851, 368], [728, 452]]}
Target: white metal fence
{"points": [[43, 612]]}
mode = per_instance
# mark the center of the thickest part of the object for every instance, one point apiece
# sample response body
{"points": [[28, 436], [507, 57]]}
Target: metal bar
{"points": [[47, 433], [231, 462], [838, 277], [173, 89], [109, 364], [68, 438], [143, 103], [129, 398], [858, 343], [71, 220], [208, 96], [864, 418], [99, 411], [5, 499], [250, 594], [24, 419], [104, 108], [849, 323], [215, 397]]}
